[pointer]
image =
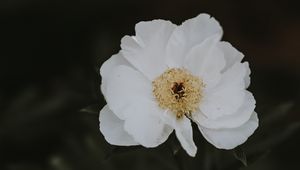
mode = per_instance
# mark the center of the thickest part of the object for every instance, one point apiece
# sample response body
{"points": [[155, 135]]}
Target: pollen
{"points": [[179, 91]]}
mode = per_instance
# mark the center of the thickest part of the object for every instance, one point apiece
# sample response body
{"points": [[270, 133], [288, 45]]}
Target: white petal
{"points": [[125, 87], [112, 129], [236, 119], [146, 50], [247, 77], [144, 123], [233, 56], [206, 61], [227, 96], [183, 131], [230, 138], [189, 34], [108, 66]]}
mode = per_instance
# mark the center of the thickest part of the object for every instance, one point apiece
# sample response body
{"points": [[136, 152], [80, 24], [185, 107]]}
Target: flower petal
{"points": [[236, 119], [230, 138], [247, 77], [144, 123], [112, 129], [227, 97], [206, 61], [108, 66], [183, 131], [146, 50], [125, 87], [190, 33], [233, 56]]}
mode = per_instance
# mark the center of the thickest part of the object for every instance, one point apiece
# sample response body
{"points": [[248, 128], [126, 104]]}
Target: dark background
{"points": [[50, 54]]}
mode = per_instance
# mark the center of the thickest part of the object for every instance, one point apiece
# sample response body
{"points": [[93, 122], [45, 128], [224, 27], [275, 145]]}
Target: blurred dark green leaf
{"points": [[240, 155], [92, 109], [277, 113]]}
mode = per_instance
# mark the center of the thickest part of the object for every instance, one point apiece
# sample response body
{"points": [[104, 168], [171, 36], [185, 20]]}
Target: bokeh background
{"points": [[50, 56]]}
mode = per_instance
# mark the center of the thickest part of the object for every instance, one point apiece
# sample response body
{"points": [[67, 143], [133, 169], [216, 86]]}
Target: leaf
{"points": [[276, 138], [240, 155], [115, 150], [278, 112], [92, 109], [176, 149], [257, 156]]}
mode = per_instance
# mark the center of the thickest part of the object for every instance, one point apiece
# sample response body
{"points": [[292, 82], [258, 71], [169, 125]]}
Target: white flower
{"points": [[166, 76]]}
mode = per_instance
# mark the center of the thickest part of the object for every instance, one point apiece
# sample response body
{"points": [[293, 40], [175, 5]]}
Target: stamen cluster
{"points": [[179, 91]]}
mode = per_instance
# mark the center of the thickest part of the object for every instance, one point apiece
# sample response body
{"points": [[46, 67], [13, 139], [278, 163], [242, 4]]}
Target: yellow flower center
{"points": [[179, 91]]}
